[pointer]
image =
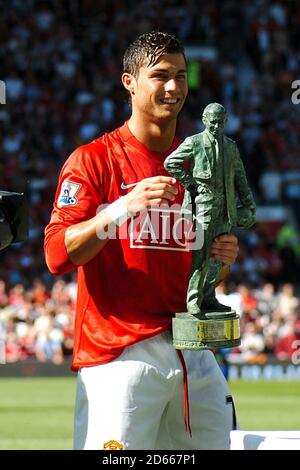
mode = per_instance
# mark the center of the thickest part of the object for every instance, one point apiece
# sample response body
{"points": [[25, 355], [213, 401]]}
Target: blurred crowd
{"points": [[61, 61], [38, 322], [270, 321]]}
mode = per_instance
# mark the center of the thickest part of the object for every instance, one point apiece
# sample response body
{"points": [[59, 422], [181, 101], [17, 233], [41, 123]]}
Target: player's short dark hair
{"points": [[148, 48]]}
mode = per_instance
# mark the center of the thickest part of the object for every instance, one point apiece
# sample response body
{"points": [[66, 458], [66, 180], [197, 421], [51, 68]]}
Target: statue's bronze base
{"points": [[207, 330]]}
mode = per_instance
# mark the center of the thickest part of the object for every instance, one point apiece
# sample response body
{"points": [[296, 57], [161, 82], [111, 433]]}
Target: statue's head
{"points": [[214, 118]]}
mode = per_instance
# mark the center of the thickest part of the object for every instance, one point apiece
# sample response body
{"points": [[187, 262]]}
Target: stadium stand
{"points": [[61, 63]]}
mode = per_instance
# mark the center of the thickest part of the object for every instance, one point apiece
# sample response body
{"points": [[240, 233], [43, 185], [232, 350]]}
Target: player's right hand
{"points": [[151, 192]]}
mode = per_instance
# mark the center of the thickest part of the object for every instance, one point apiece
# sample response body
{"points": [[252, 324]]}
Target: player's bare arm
{"points": [[81, 240]]}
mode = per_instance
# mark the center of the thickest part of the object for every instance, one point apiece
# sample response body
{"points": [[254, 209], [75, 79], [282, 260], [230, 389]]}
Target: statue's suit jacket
{"points": [[200, 176]]}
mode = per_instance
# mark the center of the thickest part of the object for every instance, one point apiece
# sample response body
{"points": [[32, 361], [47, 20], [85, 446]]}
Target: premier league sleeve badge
{"points": [[68, 193]]}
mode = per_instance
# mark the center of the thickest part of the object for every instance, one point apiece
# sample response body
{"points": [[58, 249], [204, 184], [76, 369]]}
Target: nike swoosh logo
{"points": [[126, 186]]}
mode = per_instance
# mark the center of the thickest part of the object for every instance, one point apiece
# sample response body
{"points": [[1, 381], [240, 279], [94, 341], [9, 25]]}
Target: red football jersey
{"points": [[133, 287]]}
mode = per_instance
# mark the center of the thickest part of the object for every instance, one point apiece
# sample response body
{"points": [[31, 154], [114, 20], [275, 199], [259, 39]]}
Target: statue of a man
{"points": [[218, 193]]}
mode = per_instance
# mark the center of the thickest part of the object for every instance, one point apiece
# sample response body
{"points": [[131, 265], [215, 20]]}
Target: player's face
{"points": [[215, 123], [161, 89]]}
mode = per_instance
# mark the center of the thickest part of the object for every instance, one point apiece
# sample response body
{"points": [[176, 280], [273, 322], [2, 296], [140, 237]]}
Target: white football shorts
{"points": [[136, 401]]}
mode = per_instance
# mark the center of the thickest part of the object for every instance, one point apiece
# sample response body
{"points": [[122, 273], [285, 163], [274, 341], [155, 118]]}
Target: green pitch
{"points": [[267, 405], [37, 413]]}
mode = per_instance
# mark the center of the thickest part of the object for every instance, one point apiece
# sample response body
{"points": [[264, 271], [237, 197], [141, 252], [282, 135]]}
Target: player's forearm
{"points": [[85, 240]]}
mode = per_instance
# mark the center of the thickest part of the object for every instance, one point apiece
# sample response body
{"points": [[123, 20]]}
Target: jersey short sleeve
{"points": [[81, 190]]}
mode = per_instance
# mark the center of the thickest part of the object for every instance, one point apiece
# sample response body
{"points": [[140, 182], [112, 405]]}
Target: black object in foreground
{"points": [[13, 218]]}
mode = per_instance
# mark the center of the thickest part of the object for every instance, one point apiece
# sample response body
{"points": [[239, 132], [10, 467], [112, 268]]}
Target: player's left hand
{"points": [[225, 248]]}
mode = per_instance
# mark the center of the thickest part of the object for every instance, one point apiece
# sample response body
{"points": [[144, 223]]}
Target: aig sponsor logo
{"points": [[161, 228]]}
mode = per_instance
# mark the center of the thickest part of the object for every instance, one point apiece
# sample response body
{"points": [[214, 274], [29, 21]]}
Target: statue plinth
{"points": [[206, 330]]}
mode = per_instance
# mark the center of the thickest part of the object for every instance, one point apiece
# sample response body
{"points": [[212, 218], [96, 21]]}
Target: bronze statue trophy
{"points": [[214, 180]]}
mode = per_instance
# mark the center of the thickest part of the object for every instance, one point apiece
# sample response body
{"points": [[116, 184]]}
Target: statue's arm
{"points": [[174, 163], [241, 183], [246, 212]]}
